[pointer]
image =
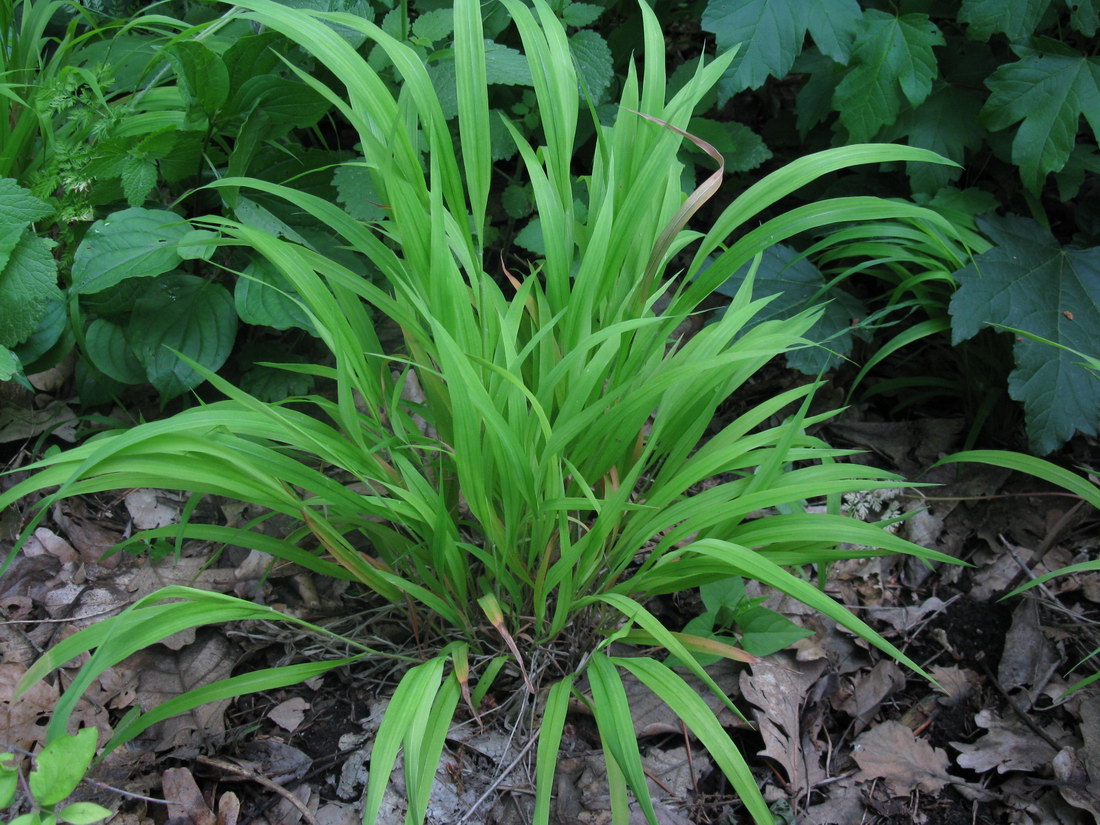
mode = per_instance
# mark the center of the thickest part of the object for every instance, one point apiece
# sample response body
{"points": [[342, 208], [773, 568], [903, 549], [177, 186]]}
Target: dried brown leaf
{"points": [[150, 509], [19, 720], [164, 674], [778, 689], [186, 800], [1006, 747], [891, 752], [289, 715]]}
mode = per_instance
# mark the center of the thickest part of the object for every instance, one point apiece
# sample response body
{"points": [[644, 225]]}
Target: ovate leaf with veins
{"points": [[1029, 282], [184, 313], [770, 34], [1048, 93], [892, 61], [133, 243]]}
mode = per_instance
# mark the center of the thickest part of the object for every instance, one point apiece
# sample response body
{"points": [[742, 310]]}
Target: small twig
{"points": [[307, 815], [129, 794], [496, 783], [1027, 720]]}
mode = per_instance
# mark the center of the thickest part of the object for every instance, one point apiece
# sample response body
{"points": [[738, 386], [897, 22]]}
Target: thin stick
{"points": [[496, 783], [307, 815]]}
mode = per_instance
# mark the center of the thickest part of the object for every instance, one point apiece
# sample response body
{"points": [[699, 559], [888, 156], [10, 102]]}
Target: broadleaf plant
{"points": [[1029, 282], [524, 464]]}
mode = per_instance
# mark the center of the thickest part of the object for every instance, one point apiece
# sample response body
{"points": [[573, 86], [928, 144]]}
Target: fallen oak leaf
{"points": [[891, 751]]}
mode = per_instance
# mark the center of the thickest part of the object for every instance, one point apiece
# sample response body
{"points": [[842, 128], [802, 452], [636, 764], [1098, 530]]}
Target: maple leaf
{"points": [[892, 60], [1048, 93], [1084, 16], [935, 125], [833, 25], [770, 34], [1016, 19], [1029, 282]]}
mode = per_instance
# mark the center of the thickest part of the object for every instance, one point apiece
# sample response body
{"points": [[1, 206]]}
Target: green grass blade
{"points": [[546, 759], [1038, 467], [700, 719], [613, 717]]}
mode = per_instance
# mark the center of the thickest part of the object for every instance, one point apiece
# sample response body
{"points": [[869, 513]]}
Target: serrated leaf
{"points": [[360, 8], [833, 25], [742, 148], [517, 201], [961, 206], [263, 297], [530, 237], [505, 66], [594, 64], [251, 55], [581, 14], [10, 366], [133, 243], [186, 313], [10, 235], [1048, 93], [185, 157], [770, 34], [1083, 160], [892, 61], [51, 327], [937, 126], [434, 25], [356, 192], [27, 283], [814, 102], [1029, 282], [203, 77], [501, 144], [139, 176], [798, 284], [1017, 19], [60, 766], [18, 206], [110, 352]]}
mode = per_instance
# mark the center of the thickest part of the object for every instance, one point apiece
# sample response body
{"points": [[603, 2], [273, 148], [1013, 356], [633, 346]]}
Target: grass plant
{"points": [[525, 471]]}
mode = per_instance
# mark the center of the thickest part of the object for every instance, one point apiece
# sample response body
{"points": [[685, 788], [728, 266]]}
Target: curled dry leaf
{"points": [[891, 751], [957, 683]]}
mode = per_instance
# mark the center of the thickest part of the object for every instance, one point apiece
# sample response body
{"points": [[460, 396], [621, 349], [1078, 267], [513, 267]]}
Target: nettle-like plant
{"points": [[523, 472]]}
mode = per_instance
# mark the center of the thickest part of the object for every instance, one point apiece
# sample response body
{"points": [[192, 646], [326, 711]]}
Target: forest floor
{"points": [[840, 733]]}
